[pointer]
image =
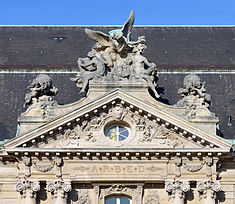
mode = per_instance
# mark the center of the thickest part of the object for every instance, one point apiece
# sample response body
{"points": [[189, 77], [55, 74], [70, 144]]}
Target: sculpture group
{"points": [[115, 58]]}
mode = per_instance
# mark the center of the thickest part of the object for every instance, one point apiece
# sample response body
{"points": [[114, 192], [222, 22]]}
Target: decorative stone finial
{"points": [[115, 59], [195, 98]]}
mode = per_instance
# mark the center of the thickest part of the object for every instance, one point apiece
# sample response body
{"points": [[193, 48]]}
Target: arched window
{"points": [[118, 200]]}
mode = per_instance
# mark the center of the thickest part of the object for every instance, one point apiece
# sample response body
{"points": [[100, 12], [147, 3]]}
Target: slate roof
{"points": [[168, 47], [175, 50]]}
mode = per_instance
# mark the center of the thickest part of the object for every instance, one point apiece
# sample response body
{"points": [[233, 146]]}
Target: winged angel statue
{"points": [[115, 57]]}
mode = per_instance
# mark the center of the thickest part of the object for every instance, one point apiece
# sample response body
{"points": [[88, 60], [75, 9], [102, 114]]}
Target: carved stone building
{"points": [[120, 141]]}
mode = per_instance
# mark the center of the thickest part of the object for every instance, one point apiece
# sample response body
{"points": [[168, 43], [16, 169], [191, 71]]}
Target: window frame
{"points": [[118, 199]]}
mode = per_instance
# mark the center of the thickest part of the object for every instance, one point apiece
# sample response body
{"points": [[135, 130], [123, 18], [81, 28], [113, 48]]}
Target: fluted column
{"points": [[176, 190], [208, 190], [28, 191], [59, 190]]}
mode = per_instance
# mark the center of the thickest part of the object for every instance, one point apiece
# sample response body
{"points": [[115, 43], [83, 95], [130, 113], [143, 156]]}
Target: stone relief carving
{"points": [[208, 189], [90, 129], [27, 186], [118, 112], [155, 133], [134, 191], [83, 197], [152, 198], [114, 188], [115, 58], [195, 99], [40, 95]]}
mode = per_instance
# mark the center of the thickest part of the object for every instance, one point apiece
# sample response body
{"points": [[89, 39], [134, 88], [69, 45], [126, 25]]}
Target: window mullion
{"points": [[118, 201]]}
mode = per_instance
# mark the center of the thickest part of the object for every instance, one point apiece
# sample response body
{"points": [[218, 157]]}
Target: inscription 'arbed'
{"points": [[118, 169]]}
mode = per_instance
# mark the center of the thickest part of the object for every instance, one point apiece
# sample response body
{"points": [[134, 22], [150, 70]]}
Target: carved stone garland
{"points": [[28, 190], [59, 190], [176, 190], [45, 168]]}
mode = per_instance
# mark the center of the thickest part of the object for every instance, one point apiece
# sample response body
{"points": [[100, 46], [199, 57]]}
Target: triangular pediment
{"points": [[141, 125]]}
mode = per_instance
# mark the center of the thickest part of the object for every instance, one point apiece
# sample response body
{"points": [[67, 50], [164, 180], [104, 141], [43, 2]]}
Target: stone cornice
{"points": [[117, 154]]}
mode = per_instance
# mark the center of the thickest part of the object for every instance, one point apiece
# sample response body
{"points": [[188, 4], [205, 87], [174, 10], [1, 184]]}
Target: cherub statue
{"points": [[195, 99], [89, 68], [113, 48], [194, 92], [41, 89], [142, 68]]}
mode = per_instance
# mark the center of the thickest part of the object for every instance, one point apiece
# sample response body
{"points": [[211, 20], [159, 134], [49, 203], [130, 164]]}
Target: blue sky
{"points": [[115, 12]]}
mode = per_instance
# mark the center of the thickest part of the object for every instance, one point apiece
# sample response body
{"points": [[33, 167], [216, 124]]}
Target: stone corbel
{"points": [[178, 163], [27, 163], [58, 162], [28, 190], [208, 190], [209, 162], [176, 190], [59, 190]]}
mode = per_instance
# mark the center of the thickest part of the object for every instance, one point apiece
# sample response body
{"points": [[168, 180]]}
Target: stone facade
{"points": [[118, 140]]}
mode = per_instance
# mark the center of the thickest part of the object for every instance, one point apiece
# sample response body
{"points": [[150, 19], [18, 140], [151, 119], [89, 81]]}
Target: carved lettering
{"points": [[118, 169]]}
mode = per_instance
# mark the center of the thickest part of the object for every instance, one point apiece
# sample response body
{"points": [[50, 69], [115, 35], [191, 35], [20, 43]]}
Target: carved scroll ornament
{"points": [[28, 186], [208, 188], [177, 187], [59, 188]]}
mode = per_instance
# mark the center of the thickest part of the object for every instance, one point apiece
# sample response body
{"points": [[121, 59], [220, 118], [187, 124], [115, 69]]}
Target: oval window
{"points": [[117, 133]]}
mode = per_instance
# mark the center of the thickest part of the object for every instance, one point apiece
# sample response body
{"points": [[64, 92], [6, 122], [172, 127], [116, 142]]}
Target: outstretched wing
{"points": [[102, 38], [127, 27]]}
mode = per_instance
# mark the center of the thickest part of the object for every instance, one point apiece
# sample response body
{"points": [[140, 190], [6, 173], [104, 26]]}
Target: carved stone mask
{"points": [[118, 111]]}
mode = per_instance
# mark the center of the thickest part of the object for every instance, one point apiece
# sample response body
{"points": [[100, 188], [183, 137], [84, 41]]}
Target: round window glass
{"points": [[117, 133]]}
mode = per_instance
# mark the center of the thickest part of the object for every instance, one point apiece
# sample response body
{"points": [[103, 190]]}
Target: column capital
{"points": [[177, 188], [59, 188], [27, 186], [208, 188]]}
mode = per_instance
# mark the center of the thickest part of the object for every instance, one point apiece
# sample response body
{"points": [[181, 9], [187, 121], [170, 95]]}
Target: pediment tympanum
{"points": [[118, 120]]}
